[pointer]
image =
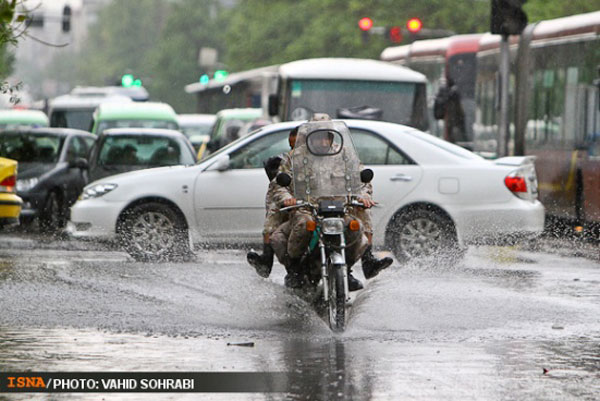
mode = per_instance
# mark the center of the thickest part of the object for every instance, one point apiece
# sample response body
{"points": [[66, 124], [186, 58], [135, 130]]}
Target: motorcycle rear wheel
{"points": [[337, 298]]}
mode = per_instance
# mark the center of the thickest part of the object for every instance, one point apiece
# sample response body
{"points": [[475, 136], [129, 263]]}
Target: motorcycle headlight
{"points": [[26, 184], [97, 190], [332, 225]]}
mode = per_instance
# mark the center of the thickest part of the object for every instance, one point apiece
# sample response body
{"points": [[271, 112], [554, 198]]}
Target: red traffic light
{"points": [[395, 34], [414, 25], [365, 23]]}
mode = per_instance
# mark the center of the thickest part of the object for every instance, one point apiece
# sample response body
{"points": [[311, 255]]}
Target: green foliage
{"points": [[121, 41], [191, 25], [8, 38], [7, 59], [7, 14], [262, 33], [159, 40], [538, 10]]}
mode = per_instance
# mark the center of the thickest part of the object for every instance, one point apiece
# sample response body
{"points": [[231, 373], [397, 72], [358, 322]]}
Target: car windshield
{"points": [[394, 100], [78, 119], [104, 125], [31, 148], [141, 150]]}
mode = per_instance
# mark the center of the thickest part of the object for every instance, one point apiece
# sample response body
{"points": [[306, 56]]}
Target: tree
{"points": [[538, 10], [120, 42], [11, 28], [191, 25], [325, 28]]}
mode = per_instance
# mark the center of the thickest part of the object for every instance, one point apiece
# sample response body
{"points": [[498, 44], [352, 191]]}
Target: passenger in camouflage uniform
{"points": [[274, 218]]}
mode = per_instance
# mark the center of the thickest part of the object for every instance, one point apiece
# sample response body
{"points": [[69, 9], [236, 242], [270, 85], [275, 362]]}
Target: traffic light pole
{"points": [[503, 131]]}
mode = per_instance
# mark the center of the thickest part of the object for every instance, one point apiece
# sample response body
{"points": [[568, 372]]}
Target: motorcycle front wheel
{"points": [[337, 298]]}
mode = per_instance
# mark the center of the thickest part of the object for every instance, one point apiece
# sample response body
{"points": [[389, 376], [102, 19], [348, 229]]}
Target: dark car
{"points": [[52, 170], [120, 150]]}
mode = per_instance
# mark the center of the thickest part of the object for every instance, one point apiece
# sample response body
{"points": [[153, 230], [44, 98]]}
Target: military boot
{"points": [[294, 277], [371, 265], [354, 284], [262, 263]]}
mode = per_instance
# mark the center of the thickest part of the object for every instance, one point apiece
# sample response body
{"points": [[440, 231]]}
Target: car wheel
{"points": [[153, 232], [51, 215], [421, 234]]}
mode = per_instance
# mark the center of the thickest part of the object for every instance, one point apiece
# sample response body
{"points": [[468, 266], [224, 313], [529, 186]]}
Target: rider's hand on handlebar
{"points": [[289, 202], [367, 202]]}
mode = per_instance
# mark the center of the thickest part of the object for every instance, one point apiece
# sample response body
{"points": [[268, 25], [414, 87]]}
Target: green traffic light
{"points": [[220, 75], [127, 80], [204, 79], [137, 83]]}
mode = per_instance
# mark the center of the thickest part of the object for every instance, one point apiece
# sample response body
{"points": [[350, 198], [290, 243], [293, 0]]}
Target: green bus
{"points": [[134, 114], [22, 118]]}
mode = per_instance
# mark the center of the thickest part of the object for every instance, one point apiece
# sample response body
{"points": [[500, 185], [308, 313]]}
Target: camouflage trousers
{"points": [[290, 240]]}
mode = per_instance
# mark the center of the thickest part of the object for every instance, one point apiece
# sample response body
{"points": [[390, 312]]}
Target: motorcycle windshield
{"points": [[325, 162]]}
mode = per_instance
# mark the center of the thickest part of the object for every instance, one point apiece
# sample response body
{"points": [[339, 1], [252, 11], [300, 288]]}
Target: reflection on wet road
{"points": [[485, 329]]}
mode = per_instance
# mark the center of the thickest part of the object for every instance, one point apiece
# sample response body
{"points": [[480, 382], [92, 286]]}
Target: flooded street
{"points": [[505, 323]]}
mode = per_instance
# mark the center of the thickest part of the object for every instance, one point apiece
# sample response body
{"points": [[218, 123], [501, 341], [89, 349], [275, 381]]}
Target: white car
{"points": [[433, 196]]}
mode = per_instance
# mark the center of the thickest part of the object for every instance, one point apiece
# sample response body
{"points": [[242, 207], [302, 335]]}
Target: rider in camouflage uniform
{"points": [[291, 239]]}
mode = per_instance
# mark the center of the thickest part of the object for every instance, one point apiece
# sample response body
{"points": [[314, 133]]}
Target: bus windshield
{"points": [[73, 118], [395, 102]]}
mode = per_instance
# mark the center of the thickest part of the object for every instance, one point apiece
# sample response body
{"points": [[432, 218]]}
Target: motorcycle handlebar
{"points": [[301, 203]]}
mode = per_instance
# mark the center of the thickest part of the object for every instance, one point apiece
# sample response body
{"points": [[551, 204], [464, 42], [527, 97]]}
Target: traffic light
{"points": [[394, 34], [414, 25], [66, 19], [365, 24], [127, 80], [204, 79], [508, 18], [35, 20], [220, 75]]}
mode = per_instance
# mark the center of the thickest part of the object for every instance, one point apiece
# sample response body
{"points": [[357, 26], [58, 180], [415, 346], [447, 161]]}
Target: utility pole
{"points": [[504, 69], [507, 19]]}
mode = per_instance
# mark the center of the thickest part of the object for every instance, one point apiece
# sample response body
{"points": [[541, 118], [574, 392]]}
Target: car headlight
{"points": [[332, 225], [27, 184], [97, 190]]}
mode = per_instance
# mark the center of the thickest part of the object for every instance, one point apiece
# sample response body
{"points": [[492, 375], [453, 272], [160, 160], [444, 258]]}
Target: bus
{"points": [[554, 108], [446, 62], [554, 111], [340, 87], [350, 88], [557, 113], [76, 111]]}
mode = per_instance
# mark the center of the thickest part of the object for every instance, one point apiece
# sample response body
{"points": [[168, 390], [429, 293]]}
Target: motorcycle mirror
{"points": [[284, 179], [366, 175]]}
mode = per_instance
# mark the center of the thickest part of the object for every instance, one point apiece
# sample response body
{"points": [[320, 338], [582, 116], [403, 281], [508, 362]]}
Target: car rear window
{"points": [[141, 150], [31, 148], [444, 145], [104, 125]]}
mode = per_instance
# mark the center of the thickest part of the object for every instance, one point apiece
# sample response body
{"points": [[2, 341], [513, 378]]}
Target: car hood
{"points": [[30, 170], [141, 177], [162, 181]]}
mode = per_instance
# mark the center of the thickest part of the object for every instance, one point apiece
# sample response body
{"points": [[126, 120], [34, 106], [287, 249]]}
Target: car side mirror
{"points": [[366, 175], [79, 163], [284, 179], [221, 164], [273, 105]]}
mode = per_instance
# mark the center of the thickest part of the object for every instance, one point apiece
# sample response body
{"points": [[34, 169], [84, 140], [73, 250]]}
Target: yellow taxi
{"points": [[10, 203]]}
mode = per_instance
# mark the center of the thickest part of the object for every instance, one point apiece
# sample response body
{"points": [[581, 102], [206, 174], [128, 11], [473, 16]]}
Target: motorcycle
{"points": [[326, 185]]}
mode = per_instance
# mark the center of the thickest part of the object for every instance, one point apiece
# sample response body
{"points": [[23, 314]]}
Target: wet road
{"points": [[484, 329]]}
